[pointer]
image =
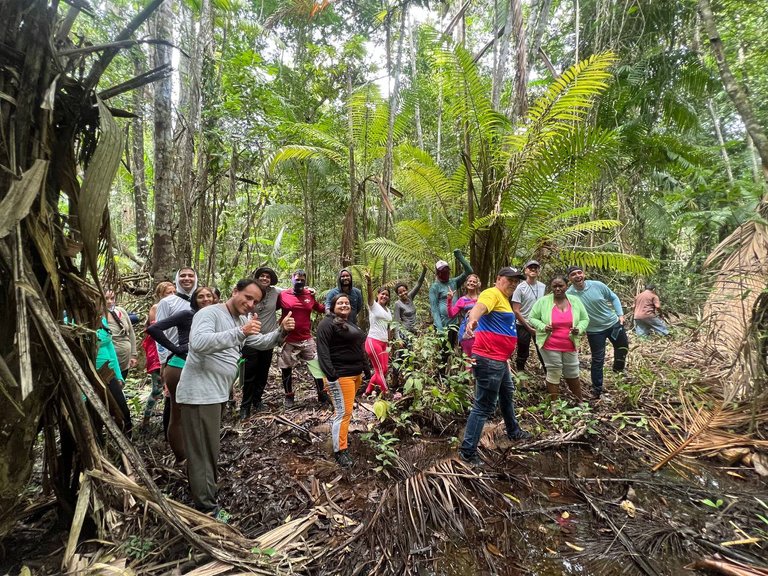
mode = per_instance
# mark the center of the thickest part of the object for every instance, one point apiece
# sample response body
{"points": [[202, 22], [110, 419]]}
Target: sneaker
{"points": [[260, 407], [343, 459], [473, 460], [288, 402], [324, 399], [520, 434], [244, 413]]}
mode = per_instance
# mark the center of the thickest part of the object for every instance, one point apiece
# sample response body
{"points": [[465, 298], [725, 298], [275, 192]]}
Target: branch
{"points": [[153, 75], [116, 46], [110, 53]]}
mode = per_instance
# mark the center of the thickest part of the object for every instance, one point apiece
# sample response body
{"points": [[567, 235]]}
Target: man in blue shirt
{"points": [[606, 322]]}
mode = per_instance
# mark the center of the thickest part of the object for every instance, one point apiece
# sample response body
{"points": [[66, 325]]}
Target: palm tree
{"points": [[522, 178]]}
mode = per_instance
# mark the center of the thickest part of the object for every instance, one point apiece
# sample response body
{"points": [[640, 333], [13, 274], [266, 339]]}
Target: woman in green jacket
{"points": [[560, 320]]}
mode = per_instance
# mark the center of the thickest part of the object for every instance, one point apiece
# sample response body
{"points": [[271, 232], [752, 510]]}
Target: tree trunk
{"points": [[520, 102], [735, 90], [349, 232], [138, 170], [164, 257], [720, 140], [499, 72], [417, 106]]}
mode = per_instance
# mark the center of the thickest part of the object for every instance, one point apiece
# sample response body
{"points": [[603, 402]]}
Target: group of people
{"points": [[197, 346]]}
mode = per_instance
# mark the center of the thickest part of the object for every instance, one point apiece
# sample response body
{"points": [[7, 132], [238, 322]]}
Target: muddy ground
{"points": [[578, 499]]}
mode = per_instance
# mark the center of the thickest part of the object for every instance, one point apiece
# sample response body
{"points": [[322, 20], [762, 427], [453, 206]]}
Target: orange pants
{"points": [[342, 395]]}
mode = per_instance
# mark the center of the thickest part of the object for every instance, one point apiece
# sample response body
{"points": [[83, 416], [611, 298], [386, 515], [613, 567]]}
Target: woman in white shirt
{"points": [[379, 318]]}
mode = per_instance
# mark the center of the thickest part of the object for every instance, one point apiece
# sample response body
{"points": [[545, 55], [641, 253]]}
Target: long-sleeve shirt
{"points": [[463, 305], [216, 338], [541, 315], [439, 290], [405, 312], [105, 353], [123, 335], [169, 306], [182, 322], [601, 304], [266, 310], [302, 307], [340, 348]]}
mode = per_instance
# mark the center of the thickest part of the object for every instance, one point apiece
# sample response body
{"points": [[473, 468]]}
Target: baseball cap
{"points": [[573, 269], [441, 264], [510, 272], [531, 263]]}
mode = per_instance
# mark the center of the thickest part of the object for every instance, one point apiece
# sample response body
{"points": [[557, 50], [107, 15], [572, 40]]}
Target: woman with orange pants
{"points": [[342, 360]]}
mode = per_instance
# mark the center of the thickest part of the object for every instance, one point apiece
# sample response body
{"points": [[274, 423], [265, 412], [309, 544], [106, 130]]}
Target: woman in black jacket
{"points": [[182, 321], [342, 360]]}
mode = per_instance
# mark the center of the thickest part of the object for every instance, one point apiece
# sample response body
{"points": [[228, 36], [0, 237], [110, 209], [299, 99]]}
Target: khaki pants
{"points": [[201, 426]]}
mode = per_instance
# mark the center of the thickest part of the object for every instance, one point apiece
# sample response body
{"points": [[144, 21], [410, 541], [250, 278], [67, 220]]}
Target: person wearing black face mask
{"points": [[300, 345]]}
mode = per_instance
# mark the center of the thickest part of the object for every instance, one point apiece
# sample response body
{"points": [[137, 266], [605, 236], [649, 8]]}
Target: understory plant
{"points": [[435, 381]]}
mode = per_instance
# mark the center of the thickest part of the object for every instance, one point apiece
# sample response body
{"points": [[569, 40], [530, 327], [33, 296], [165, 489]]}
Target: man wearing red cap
{"points": [[439, 291]]}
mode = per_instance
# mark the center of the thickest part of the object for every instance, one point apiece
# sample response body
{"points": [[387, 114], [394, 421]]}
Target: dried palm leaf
{"points": [[728, 312]]}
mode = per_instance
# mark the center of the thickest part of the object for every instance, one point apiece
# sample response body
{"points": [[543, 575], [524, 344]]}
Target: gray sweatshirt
{"points": [[215, 340]]}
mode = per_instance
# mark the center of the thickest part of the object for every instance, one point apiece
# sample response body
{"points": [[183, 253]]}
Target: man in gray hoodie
{"points": [[217, 335]]}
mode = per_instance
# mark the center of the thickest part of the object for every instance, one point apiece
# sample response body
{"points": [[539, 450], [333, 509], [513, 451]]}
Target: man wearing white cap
{"points": [[439, 291], [523, 299]]}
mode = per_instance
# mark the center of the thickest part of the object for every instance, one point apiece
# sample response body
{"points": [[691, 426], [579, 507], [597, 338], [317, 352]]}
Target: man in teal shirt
{"points": [[438, 292], [606, 322]]}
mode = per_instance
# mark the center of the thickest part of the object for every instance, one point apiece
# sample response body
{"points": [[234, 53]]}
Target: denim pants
{"points": [[618, 337], [647, 326], [493, 384]]}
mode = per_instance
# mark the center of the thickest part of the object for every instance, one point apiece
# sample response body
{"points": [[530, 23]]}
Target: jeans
{"points": [[646, 326], [618, 337], [493, 384]]}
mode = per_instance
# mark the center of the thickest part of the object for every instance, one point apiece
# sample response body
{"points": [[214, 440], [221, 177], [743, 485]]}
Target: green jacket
{"points": [[541, 316]]}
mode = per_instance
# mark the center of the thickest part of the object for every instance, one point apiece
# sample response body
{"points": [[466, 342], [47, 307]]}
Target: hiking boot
{"points": [[520, 434], [474, 460], [343, 459], [244, 413], [260, 407], [288, 402], [324, 399]]}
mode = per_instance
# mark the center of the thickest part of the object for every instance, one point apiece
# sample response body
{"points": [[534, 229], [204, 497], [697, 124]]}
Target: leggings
{"points": [[342, 394], [154, 395], [377, 354], [171, 376]]}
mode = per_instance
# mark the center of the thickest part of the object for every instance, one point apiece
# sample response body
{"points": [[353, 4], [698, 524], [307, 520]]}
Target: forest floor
{"points": [[579, 498]]}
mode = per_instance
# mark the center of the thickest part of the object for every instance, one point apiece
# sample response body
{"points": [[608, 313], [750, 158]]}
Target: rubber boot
{"points": [[322, 395], [574, 385], [287, 374], [553, 390]]}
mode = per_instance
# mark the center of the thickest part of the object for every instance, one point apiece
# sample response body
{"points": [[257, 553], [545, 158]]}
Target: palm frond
{"points": [[299, 152], [614, 261]]}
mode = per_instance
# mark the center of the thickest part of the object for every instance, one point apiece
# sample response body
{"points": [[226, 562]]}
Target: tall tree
{"points": [[163, 254], [138, 170]]}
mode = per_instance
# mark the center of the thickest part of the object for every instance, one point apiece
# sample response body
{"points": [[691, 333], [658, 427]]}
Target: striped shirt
{"points": [[495, 335]]}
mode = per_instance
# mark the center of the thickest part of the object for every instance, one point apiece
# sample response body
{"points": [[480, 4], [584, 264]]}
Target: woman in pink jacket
{"points": [[463, 306]]}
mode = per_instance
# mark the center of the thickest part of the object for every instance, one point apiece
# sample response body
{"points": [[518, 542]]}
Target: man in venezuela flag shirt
{"points": [[493, 324]]}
